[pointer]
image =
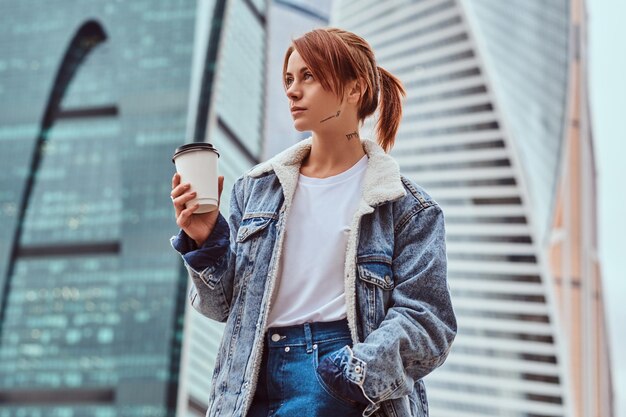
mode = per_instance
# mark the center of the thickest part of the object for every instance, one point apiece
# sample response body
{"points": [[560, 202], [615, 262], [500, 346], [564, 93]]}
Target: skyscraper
{"points": [[226, 109], [496, 128], [95, 96]]}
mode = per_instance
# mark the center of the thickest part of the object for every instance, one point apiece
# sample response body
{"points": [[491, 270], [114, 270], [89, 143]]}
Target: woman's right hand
{"points": [[197, 226]]}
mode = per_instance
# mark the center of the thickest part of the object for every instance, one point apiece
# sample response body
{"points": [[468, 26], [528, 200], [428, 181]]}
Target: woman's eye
{"points": [[289, 81]]}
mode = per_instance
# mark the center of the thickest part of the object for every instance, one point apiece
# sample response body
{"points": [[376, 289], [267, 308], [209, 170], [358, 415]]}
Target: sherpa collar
{"points": [[382, 177]]}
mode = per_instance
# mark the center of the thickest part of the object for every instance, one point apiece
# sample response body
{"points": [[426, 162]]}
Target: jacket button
{"points": [[275, 337], [387, 279], [357, 369]]}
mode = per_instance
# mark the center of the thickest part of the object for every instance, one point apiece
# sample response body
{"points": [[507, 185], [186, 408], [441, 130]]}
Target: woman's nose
{"points": [[293, 93]]}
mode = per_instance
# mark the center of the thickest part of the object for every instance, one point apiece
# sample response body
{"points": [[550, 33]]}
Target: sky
{"points": [[607, 82]]}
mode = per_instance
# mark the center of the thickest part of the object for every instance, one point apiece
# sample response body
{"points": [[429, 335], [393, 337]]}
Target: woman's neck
{"points": [[332, 154]]}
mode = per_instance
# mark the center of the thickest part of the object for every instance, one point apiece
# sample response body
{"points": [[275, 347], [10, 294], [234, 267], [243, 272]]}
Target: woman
{"points": [[331, 271]]}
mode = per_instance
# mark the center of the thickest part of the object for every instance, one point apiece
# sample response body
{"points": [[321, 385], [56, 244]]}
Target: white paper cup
{"points": [[196, 163]]}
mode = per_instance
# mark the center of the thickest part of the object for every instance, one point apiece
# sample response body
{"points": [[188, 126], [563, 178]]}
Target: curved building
{"points": [[496, 128], [94, 97]]}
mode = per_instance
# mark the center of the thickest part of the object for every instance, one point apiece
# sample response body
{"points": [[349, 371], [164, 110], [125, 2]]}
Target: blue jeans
{"points": [[289, 385]]}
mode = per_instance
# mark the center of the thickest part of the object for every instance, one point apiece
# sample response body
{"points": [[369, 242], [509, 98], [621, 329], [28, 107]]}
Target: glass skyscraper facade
{"points": [[95, 96], [495, 127]]}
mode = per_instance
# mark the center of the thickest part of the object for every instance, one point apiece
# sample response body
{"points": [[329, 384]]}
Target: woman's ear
{"points": [[355, 91]]}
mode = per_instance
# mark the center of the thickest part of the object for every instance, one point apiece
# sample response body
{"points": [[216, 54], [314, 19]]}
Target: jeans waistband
{"points": [[307, 334]]}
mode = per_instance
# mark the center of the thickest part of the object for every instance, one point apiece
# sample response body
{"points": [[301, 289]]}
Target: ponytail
{"points": [[390, 108]]}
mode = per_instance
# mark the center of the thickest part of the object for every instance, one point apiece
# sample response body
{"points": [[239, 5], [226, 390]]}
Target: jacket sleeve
{"points": [[211, 266], [418, 329]]}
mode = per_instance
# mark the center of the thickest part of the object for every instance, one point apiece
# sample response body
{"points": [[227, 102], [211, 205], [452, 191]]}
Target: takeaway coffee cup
{"points": [[196, 163]]}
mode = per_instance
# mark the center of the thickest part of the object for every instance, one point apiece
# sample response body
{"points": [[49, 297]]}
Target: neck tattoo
{"points": [[330, 117], [352, 135]]}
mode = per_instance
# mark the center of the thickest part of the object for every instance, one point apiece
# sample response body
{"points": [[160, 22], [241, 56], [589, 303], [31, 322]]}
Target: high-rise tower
{"points": [[496, 128], [94, 98]]}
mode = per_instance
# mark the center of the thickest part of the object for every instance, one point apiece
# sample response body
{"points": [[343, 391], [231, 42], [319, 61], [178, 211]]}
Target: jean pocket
{"points": [[325, 349]]}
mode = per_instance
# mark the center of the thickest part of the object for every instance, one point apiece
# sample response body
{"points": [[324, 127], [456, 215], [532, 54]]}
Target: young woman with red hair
{"points": [[330, 272]]}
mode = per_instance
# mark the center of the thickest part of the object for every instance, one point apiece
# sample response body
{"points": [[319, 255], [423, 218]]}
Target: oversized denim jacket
{"points": [[397, 298]]}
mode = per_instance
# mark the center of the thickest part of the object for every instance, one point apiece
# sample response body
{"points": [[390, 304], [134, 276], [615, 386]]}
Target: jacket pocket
{"points": [[252, 225], [378, 273]]}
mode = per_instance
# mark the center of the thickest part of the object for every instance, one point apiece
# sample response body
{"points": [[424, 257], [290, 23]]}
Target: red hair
{"points": [[335, 57]]}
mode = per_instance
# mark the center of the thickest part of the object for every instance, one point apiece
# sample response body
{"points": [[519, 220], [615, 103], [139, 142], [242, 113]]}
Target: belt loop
{"points": [[308, 338]]}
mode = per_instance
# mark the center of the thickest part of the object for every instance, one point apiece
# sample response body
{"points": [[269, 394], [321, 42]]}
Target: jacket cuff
{"points": [[211, 250]]}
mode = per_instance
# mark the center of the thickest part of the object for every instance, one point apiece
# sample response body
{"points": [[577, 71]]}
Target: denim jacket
{"points": [[397, 297]]}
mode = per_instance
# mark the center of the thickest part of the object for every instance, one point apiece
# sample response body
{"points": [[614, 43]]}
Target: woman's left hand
{"points": [[332, 369]]}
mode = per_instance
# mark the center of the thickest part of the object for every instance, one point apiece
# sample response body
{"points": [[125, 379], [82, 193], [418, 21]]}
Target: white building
{"points": [[496, 128]]}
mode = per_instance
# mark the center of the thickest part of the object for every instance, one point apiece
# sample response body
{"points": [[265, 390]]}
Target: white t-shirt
{"points": [[311, 287]]}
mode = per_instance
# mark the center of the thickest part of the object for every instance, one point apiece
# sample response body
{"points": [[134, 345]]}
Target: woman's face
{"points": [[319, 106]]}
